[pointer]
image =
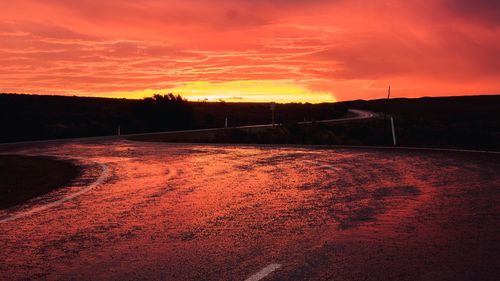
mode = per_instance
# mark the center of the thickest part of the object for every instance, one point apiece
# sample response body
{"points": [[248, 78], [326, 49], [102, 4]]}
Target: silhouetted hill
{"points": [[30, 117], [466, 121], [450, 122], [34, 117]]}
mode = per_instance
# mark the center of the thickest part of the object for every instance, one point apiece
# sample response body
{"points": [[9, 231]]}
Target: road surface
{"points": [[359, 115], [157, 211]]}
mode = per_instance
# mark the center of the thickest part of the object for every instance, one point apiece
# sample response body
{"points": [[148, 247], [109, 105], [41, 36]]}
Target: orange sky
{"points": [[251, 50]]}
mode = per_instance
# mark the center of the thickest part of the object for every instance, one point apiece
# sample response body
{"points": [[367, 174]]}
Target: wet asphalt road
{"points": [[225, 212]]}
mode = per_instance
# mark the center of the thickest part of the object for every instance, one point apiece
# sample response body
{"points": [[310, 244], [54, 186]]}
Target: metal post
{"points": [[393, 131], [119, 133], [226, 123], [387, 105], [273, 107]]}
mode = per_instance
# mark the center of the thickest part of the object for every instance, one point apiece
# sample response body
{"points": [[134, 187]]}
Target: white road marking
{"points": [[263, 272], [104, 175]]}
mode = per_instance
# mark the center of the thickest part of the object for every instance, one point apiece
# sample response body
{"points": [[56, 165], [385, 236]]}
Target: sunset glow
{"points": [[281, 91], [251, 50]]}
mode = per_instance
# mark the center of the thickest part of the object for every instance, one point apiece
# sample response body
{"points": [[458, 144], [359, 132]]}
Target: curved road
{"points": [[221, 212], [359, 115]]}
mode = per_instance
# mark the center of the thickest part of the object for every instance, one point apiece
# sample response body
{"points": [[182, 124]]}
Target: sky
{"points": [[251, 50]]}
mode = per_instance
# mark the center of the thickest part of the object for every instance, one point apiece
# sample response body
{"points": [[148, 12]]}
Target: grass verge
{"points": [[26, 177]]}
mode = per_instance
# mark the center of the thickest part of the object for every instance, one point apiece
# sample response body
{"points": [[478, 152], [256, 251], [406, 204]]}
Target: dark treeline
{"points": [[34, 117], [31, 117], [470, 122], [159, 113], [467, 122]]}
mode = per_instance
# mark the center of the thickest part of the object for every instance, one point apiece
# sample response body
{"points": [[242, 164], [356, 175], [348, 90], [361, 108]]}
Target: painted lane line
{"points": [[264, 272], [104, 175]]}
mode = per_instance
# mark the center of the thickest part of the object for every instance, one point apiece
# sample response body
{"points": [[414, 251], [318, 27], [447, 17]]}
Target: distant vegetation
{"points": [[157, 113], [34, 117], [210, 115], [465, 122], [453, 122]]}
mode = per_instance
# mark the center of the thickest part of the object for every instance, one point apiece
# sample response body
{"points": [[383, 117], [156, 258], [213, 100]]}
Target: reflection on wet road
{"points": [[215, 212]]}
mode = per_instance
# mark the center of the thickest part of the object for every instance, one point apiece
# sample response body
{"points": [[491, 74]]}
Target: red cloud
{"points": [[349, 48]]}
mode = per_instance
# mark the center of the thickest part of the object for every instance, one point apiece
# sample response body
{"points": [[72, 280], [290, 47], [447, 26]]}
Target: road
{"points": [[358, 116], [225, 212]]}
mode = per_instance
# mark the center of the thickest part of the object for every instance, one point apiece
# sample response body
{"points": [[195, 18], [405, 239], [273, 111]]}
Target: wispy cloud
{"points": [[349, 49]]}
